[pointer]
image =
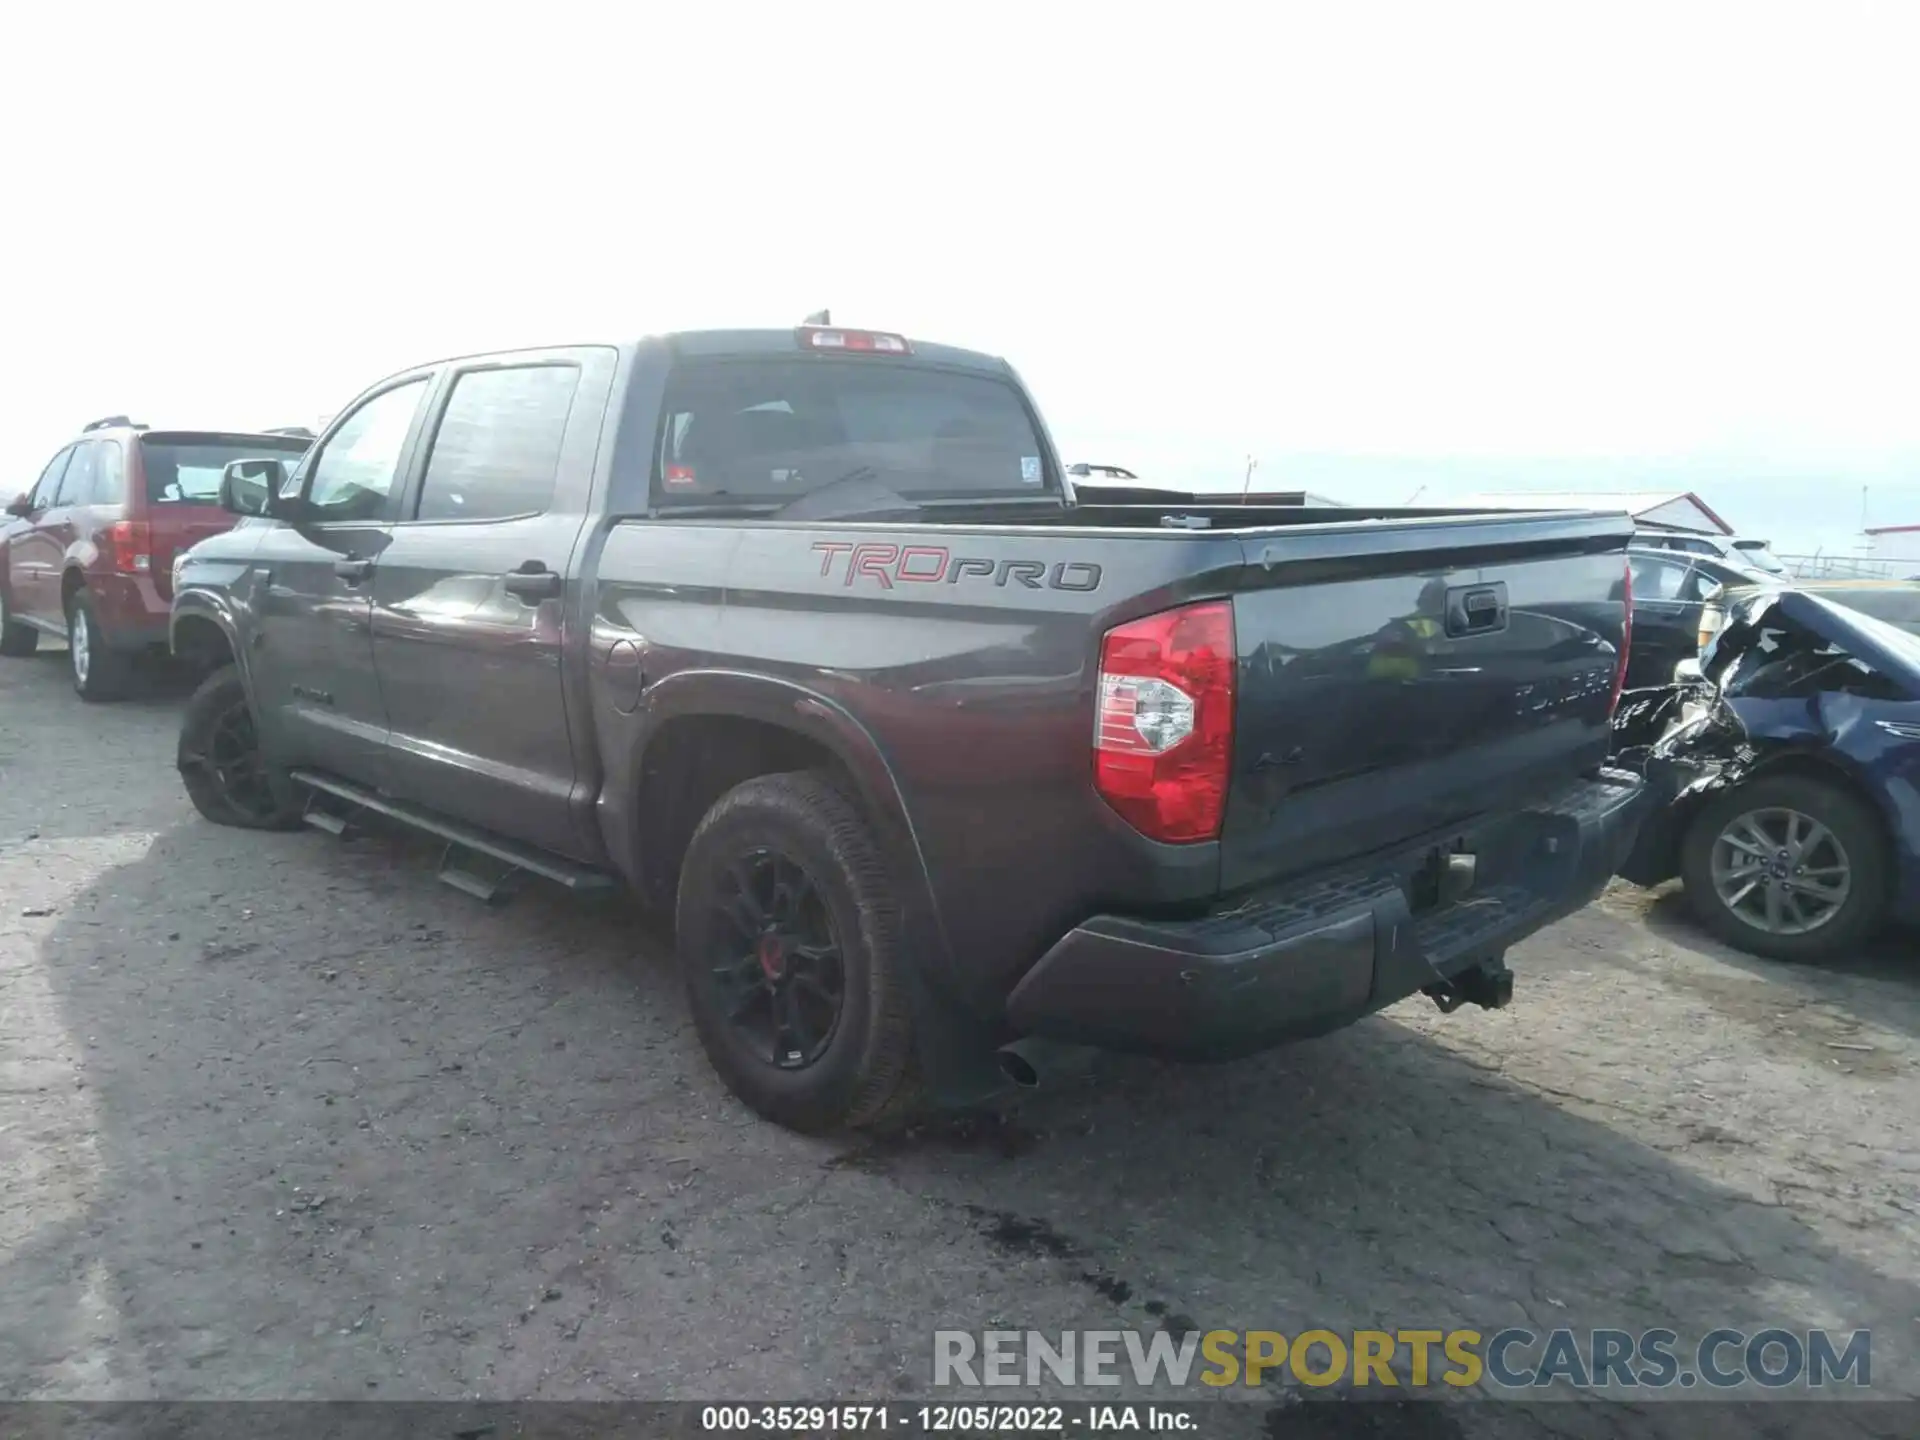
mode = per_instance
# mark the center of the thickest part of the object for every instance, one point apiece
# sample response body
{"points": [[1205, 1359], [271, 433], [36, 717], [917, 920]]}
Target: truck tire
{"points": [[17, 641], [220, 762], [1790, 867], [789, 943], [99, 672]]}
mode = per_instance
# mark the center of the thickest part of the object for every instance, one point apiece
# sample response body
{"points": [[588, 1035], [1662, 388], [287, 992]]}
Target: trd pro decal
{"points": [[888, 565]]}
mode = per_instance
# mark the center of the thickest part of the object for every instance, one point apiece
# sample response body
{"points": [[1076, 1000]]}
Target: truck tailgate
{"points": [[1386, 696]]}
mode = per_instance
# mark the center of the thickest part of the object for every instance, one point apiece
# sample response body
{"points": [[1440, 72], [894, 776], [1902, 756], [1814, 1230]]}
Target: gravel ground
{"points": [[284, 1117]]}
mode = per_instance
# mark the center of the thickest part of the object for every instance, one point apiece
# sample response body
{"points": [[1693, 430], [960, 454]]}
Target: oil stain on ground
{"points": [[1030, 1236], [979, 1132]]}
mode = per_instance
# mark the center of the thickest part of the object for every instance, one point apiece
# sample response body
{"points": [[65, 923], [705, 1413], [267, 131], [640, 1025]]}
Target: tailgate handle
{"points": [[1477, 609]]}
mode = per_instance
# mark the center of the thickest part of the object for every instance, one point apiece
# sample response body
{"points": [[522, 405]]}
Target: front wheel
{"points": [[226, 774], [1789, 867], [788, 938]]}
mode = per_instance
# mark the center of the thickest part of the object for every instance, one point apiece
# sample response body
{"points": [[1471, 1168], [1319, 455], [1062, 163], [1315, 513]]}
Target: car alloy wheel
{"points": [[1780, 871], [776, 961], [80, 645], [232, 757]]}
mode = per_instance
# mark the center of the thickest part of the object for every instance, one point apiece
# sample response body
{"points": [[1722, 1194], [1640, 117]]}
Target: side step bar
{"points": [[514, 856]]}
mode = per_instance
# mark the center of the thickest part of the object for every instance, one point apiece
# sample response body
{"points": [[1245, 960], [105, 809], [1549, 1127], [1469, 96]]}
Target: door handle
{"points": [[1477, 609], [533, 581], [352, 569]]}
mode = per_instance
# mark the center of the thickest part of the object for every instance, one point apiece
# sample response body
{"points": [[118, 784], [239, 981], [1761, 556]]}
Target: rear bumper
{"points": [[1322, 951]]}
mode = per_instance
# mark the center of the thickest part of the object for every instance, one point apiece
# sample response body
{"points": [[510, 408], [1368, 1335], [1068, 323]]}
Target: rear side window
{"points": [[775, 429], [1698, 584], [110, 478], [186, 469], [1657, 579], [77, 484], [496, 453]]}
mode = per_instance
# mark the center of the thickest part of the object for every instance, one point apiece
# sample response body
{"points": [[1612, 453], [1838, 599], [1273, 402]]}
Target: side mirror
{"points": [[21, 505], [250, 487]]}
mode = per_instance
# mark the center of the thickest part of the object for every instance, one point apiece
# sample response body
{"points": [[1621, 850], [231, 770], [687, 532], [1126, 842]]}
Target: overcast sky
{"points": [[1461, 245]]}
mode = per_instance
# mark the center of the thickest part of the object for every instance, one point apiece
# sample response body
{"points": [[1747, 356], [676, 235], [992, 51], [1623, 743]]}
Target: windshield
{"points": [[773, 430], [186, 469]]}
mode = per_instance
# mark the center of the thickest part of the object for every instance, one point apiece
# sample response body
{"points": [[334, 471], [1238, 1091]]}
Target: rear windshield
{"points": [[186, 469], [1758, 552], [772, 430]]}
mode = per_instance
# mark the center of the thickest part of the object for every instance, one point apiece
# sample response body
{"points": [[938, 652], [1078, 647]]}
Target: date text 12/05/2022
{"points": [[936, 1419]]}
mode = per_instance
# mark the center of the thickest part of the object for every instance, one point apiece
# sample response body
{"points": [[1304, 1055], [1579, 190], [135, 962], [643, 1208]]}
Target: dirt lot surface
{"points": [[282, 1116]]}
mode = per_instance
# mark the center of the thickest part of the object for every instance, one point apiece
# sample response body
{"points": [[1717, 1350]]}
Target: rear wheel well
{"points": [[202, 644], [72, 582], [691, 763]]}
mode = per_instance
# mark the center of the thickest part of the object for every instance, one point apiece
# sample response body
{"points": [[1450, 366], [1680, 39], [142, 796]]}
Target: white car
{"points": [[1751, 554], [1110, 474]]}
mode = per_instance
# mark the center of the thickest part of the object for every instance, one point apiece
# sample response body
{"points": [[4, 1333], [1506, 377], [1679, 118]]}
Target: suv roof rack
{"points": [[298, 432], [112, 422]]}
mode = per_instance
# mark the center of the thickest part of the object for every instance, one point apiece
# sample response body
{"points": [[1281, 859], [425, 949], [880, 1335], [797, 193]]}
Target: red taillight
{"points": [[1626, 642], [131, 544], [866, 342], [1163, 731]]}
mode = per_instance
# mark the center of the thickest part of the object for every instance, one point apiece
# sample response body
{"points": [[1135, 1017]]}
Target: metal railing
{"points": [[1844, 567]]}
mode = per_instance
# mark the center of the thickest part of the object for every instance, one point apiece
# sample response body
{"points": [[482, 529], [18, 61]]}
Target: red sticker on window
{"points": [[679, 475]]}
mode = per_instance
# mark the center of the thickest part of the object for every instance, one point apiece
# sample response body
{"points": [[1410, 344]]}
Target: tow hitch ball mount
{"points": [[1488, 985]]}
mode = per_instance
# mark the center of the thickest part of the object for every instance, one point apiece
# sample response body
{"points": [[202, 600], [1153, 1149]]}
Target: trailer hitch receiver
{"points": [[1488, 985]]}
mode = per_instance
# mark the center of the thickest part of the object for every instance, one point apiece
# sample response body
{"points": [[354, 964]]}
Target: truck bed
{"points": [[967, 653]]}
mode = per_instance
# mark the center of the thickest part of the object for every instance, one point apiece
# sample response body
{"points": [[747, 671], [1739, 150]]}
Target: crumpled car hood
{"points": [[1761, 628], [1785, 667], [1789, 676]]}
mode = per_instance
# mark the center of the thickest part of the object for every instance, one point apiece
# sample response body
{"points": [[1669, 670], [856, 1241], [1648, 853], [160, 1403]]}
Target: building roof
{"points": [[1893, 529], [1679, 509]]}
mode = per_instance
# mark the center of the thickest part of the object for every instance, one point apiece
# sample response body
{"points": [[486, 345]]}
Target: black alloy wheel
{"points": [[776, 960], [789, 940], [222, 764]]}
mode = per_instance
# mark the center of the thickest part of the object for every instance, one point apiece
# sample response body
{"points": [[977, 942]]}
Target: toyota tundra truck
{"points": [[940, 770]]}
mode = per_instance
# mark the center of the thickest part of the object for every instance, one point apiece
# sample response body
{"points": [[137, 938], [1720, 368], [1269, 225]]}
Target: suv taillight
{"points": [[1626, 642], [1711, 619], [131, 544], [1163, 729]]}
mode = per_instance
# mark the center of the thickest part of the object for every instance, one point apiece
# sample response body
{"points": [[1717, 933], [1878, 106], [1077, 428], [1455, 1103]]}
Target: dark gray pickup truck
{"points": [[803, 635]]}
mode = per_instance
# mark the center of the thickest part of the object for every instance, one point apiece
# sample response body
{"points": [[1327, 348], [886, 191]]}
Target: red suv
{"points": [[87, 554]]}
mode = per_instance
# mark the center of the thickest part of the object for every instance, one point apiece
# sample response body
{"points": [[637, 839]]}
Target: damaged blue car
{"points": [[1789, 768]]}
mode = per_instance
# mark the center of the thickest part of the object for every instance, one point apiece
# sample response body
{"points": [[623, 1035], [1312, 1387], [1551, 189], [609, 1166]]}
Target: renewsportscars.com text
{"points": [[1511, 1359]]}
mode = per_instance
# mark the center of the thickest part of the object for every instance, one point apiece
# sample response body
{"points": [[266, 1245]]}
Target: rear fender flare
{"points": [[74, 566], [82, 555], [806, 713], [954, 1039]]}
